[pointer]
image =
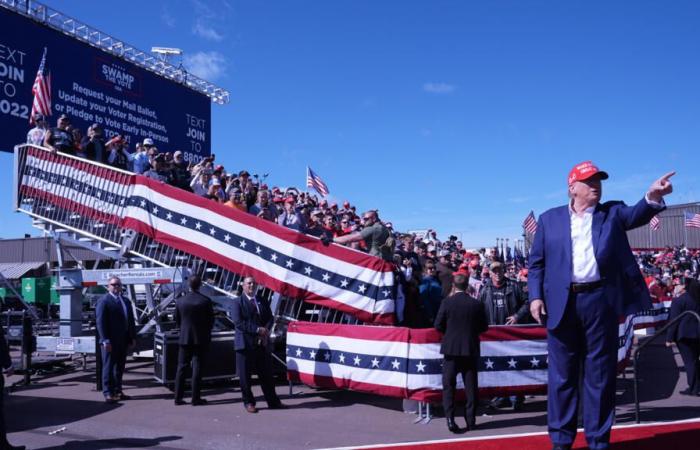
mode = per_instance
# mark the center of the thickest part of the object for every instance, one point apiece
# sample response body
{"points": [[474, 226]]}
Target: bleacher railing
{"points": [[63, 210]]}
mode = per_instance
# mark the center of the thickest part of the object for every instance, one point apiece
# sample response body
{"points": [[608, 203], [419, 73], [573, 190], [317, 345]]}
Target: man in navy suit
{"points": [[6, 365], [115, 327], [582, 278], [253, 318]]}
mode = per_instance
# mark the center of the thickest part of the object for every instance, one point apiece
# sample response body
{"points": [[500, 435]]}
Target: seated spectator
{"points": [[290, 217], [36, 135], [160, 171], [59, 139]]}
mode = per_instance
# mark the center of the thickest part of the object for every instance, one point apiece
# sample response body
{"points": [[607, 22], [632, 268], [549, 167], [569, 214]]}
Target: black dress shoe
{"points": [[687, 392], [110, 399], [199, 402], [278, 406], [452, 426], [179, 401], [470, 425], [123, 396]]}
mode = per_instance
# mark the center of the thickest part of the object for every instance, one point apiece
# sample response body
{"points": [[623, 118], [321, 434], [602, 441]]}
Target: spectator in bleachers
{"points": [[290, 217], [445, 272], [117, 155], [93, 146], [160, 171], [430, 292], [262, 207], [377, 237], [236, 200], [59, 139], [200, 183], [36, 135], [180, 171], [315, 227]]}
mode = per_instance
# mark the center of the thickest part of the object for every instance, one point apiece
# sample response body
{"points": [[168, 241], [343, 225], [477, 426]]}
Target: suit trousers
{"points": [[113, 364], [690, 350], [257, 359], [3, 424], [584, 342], [190, 356], [467, 367]]}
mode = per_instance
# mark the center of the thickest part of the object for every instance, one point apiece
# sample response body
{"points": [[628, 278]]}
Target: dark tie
{"points": [[254, 304]]}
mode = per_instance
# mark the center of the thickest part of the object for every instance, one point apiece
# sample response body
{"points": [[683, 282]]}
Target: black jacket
{"points": [[515, 301], [462, 319], [687, 328], [5, 360], [194, 315]]}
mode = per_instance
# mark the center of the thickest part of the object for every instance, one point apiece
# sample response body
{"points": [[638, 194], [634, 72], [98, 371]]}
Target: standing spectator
{"points": [[504, 304], [95, 148], [262, 208], [6, 365], [180, 171], [315, 227], [160, 171], [117, 155], [445, 271], [290, 217], [194, 316], [253, 320], [375, 234], [36, 135], [430, 292], [685, 335], [200, 183], [236, 201], [59, 139], [115, 327], [462, 319]]}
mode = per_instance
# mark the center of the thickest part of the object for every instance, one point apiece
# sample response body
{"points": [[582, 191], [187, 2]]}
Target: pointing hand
{"points": [[661, 187]]}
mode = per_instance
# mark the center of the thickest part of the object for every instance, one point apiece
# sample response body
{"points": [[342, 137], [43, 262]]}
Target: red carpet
{"points": [[669, 436]]}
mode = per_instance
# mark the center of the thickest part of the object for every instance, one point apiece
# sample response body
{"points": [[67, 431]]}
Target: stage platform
{"points": [[65, 412]]}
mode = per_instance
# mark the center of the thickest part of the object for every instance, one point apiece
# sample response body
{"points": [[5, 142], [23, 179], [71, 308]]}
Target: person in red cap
{"points": [[582, 276]]}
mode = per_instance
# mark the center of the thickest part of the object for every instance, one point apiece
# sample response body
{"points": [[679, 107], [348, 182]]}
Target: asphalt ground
{"points": [[64, 411]]}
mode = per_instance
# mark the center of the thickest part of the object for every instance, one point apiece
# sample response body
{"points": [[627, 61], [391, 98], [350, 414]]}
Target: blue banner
{"points": [[93, 86]]}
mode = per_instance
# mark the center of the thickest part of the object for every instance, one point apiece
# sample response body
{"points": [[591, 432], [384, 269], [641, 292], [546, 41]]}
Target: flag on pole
{"points": [[530, 224], [655, 223], [42, 91], [692, 220], [314, 181]]}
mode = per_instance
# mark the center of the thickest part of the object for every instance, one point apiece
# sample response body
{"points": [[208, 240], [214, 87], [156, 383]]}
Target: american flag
{"points": [[692, 220], [314, 181], [281, 259], [42, 91], [530, 224], [655, 223], [406, 363]]}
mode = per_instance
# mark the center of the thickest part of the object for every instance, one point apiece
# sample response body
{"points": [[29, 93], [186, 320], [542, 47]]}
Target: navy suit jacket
{"points": [[687, 328], [550, 268], [112, 326], [247, 320]]}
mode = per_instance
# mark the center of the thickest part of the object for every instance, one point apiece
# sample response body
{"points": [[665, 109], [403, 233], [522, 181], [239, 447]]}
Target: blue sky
{"points": [[456, 115]]}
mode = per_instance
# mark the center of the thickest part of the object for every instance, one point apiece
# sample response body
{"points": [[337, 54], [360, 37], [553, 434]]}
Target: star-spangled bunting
{"points": [[407, 363], [281, 259]]}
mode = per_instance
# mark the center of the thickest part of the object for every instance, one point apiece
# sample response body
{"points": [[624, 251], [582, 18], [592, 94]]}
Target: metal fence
{"points": [[64, 214]]}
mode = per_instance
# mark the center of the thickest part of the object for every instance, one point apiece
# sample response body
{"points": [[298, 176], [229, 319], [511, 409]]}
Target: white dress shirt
{"points": [[584, 265]]}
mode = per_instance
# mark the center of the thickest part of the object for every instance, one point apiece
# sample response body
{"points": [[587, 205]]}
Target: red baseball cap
{"points": [[584, 171]]}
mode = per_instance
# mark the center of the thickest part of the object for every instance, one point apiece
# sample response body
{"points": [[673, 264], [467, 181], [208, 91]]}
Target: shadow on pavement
{"points": [[98, 444], [28, 412]]}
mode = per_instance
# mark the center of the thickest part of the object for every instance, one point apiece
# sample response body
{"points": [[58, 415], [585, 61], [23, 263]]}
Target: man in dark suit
{"points": [[462, 318], [194, 315], [583, 270], [115, 327], [6, 363], [685, 335], [252, 318]]}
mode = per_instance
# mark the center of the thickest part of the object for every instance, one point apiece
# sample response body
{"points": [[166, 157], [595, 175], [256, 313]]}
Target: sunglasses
{"points": [[115, 284]]}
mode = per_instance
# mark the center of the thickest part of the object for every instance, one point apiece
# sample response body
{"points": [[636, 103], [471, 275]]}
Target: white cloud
{"points": [[439, 88], [167, 18], [206, 31], [206, 65]]}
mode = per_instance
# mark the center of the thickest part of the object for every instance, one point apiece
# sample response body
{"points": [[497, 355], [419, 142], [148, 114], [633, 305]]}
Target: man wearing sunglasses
{"points": [[116, 331], [377, 237]]}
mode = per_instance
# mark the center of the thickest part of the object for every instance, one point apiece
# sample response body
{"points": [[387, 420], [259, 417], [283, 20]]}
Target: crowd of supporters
{"points": [[424, 265]]}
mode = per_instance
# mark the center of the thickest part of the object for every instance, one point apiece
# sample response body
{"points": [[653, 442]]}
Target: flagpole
{"points": [[685, 230]]}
